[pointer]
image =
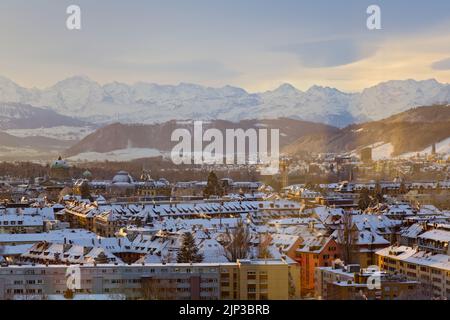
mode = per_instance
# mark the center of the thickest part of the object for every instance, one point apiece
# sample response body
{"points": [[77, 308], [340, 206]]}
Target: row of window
{"points": [[11, 223]]}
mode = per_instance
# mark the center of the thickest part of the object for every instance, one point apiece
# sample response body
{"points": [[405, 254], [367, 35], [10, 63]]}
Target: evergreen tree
{"points": [[84, 190], [189, 251], [379, 193], [364, 199], [213, 187], [403, 188]]}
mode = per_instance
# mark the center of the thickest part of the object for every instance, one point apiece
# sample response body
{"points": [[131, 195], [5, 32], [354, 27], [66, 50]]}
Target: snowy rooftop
{"points": [[437, 235], [413, 255]]}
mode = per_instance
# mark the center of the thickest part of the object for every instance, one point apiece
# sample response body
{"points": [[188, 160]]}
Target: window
{"points": [[263, 276], [251, 275], [434, 271]]}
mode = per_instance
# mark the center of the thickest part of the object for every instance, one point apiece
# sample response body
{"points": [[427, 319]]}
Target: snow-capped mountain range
{"points": [[84, 99]]}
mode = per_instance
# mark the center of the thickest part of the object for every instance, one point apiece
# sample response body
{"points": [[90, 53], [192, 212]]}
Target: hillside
{"points": [[23, 116], [409, 131], [158, 136]]}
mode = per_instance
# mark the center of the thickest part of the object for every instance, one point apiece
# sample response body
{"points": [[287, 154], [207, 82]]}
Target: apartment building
{"points": [[268, 280], [431, 269], [20, 223], [313, 252], [245, 279], [350, 282]]}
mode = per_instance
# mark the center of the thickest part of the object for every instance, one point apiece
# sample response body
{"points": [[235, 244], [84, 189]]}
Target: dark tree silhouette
{"points": [[189, 251], [347, 237], [213, 187], [158, 289], [263, 247], [237, 242], [403, 188], [1, 251], [84, 190], [364, 199], [378, 193]]}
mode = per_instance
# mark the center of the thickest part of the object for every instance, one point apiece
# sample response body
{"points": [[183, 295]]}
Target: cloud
{"points": [[441, 65], [200, 69], [331, 53]]}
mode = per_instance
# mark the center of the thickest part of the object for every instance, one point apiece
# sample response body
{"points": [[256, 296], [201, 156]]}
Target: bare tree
{"points": [[291, 290], [423, 291], [158, 289], [346, 237], [2, 250], [168, 257], [237, 242], [263, 247]]}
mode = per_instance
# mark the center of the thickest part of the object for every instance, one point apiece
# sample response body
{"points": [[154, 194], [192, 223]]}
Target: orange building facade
{"points": [[317, 253]]}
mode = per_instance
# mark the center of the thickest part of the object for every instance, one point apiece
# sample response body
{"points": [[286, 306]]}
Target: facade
{"points": [[247, 280], [19, 223], [313, 253], [366, 155], [430, 269], [350, 282]]}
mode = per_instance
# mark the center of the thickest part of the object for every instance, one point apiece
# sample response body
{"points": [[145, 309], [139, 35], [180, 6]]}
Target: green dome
{"points": [[87, 174], [59, 164]]}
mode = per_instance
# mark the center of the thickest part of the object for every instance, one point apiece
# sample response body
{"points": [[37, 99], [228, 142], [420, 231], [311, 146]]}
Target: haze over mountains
{"points": [[41, 122], [410, 131], [158, 136], [84, 99], [22, 116]]}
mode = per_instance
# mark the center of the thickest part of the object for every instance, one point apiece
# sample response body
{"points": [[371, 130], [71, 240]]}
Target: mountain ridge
{"points": [[82, 98], [24, 116], [409, 131], [120, 136]]}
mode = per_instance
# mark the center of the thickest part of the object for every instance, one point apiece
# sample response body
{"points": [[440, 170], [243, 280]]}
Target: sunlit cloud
{"points": [[256, 45], [441, 64], [331, 53]]}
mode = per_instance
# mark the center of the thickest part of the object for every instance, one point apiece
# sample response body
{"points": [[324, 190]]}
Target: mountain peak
{"points": [[322, 89], [78, 79], [83, 98], [286, 87], [6, 81]]}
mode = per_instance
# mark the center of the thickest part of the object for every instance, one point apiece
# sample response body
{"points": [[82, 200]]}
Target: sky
{"points": [[254, 44]]}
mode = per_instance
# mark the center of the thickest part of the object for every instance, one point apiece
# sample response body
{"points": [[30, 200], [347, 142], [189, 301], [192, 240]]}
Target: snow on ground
{"points": [[117, 155], [24, 154], [61, 133], [380, 150], [442, 147]]}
